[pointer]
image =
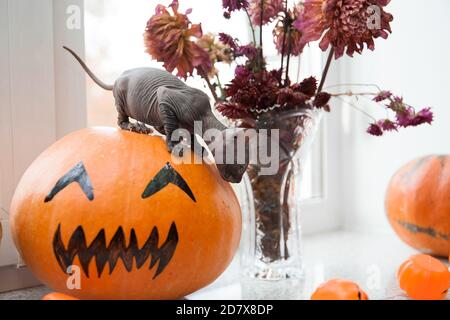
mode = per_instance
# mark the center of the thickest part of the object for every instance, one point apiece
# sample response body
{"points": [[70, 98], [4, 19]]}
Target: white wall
{"points": [[413, 62], [42, 92]]}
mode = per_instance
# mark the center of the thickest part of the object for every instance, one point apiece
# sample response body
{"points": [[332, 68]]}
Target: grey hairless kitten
{"points": [[159, 99]]}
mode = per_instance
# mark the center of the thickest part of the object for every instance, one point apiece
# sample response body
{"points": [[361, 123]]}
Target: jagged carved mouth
{"points": [[115, 250]]}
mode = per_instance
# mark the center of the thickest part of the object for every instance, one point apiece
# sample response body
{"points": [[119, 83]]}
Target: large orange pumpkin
{"points": [[137, 226], [418, 204]]}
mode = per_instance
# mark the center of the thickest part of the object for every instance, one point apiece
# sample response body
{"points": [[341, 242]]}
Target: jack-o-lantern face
{"points": [[117, 248], [111, 203]]}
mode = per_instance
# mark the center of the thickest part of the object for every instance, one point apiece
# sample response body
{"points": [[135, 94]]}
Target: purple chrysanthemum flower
{"points": [[228, 40], [375, 130], [242, 72], [234, 5], [387, 125], [248, 51], [409, 118], [425, 116], [382, 96]]}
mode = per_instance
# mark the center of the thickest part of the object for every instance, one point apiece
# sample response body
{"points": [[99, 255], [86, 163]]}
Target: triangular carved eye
{"points": [[162, 179], [76, 174]]}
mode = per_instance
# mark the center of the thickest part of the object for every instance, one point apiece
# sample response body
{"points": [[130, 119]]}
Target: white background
{"points": [[413, 62]]}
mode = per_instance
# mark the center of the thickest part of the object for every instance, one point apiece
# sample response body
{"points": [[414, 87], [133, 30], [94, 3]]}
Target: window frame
{"points": [[323, 212], [43, 98]]}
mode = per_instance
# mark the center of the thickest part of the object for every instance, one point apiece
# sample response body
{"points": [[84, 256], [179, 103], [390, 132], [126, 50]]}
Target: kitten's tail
{"points": [[89, 72]]}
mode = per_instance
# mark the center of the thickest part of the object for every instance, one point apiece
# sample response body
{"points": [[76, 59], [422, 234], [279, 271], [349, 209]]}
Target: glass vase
{"points": [[271, 248]]}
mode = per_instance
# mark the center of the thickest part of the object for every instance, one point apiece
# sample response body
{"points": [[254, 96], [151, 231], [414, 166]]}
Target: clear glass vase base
{"points": [[271, 254], [285, 289], [273, 272]]}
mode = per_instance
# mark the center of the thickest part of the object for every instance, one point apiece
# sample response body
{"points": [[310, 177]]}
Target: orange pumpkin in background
{"points": [[58, 297], [110, 208], [339, 289], [418, 204], [423, 277]]}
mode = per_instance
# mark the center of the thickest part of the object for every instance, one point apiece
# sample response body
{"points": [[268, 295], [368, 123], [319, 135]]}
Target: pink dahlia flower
{"points": [[346, 25], [295, 36], [168, 40], [271, 9]]}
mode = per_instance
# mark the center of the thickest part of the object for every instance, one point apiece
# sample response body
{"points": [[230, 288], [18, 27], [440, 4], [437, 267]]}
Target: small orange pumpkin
{"points": [[111, 208], [339, 289], [423, 277], [418, 204], [58, 296]]}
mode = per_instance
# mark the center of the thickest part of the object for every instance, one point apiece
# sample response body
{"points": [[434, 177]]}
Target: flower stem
{"points": [[282, 53], [353, 94], [261, 35], [325, 71], [219, 83], [356, 108], [288, 60], [283, 47], [251, 26], [211, 88], [354, 85]]}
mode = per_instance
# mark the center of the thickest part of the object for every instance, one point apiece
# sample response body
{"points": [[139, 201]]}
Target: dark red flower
{"points": [[307, 86], [321, 101], [290, 98], [346, 25], [251, 91], [233, 5], [242, 72], [232, 111]]}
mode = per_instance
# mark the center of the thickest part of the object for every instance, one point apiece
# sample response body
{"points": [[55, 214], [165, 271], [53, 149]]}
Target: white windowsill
{"points": [[371, 260]]}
